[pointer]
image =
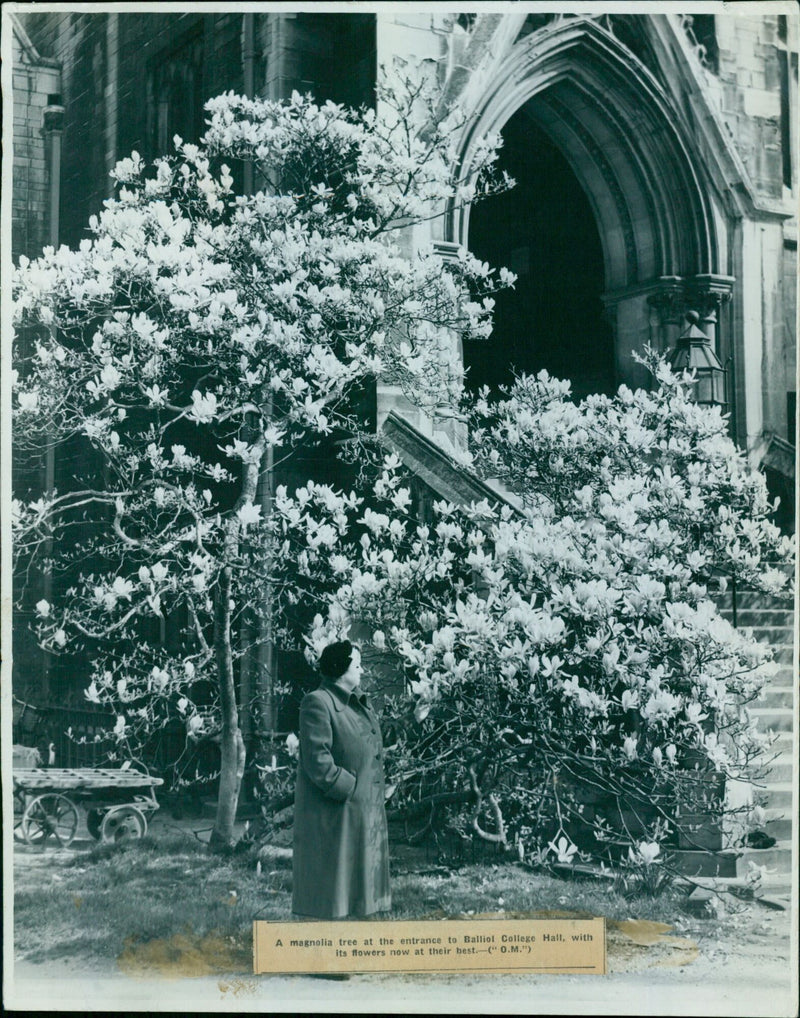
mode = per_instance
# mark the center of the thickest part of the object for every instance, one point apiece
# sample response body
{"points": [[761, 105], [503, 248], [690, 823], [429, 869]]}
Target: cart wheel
{"points": [[50, 814], [94, 821], [19, 813], [122, 823]]}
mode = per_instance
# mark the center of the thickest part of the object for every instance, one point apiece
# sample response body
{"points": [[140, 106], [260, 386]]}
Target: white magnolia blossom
{"points": [[646, 853], [204, 407], [249, 513], [204, 328], [564, 850], [195, 333], [581, 625]]}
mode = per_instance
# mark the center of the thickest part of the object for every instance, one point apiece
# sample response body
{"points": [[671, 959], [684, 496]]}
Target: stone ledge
{"points": [[697, 863]]}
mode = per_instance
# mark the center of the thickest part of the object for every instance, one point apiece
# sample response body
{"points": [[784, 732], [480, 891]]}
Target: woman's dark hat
{"points": [[335, 659]]}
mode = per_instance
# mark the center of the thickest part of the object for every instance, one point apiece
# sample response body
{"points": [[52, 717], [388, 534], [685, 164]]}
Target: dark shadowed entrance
{"points": [[544, 230]]}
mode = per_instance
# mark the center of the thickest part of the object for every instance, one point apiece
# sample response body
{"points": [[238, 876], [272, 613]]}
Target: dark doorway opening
{"points": [[545, 231]]}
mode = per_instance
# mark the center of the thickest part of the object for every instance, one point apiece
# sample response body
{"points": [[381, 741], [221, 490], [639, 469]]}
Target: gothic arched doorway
{"points": [[590, 132], [545, 231]]}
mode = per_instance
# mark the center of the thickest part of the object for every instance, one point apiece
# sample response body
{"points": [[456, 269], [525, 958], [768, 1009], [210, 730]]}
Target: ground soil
{"points": [[740, 962]]}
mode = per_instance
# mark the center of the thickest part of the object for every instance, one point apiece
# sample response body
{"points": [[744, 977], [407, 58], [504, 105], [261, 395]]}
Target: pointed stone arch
{"points": [[610, 117]]}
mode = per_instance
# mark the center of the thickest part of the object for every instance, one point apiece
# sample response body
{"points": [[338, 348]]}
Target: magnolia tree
{"points": [[195, 334], [567, 677]]}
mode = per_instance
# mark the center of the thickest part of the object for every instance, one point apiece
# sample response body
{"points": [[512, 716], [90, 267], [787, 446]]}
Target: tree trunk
{"points": [[232, 748]]}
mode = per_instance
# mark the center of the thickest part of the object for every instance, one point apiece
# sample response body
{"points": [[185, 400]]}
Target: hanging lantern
{"points": [[693, 353]]}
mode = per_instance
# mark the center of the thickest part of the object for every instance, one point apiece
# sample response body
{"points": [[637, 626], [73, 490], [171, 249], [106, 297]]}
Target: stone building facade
{"points": [[655, 158], [685, 152], [667, 143], [36, 85]]}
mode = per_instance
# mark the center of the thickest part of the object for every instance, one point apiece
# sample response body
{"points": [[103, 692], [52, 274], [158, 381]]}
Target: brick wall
{"points": [[109, 61], [31, 83], [331, 55]]}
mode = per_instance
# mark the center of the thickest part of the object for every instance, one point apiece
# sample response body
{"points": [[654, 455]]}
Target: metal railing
{"points": [[64, 736]]}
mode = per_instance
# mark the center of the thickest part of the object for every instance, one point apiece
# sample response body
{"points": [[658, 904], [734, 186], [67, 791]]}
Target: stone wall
{"points": [[737, 112], [36, 83], [758, 77], [749, 75], [33, 81], [113, 80], [107, 62]]}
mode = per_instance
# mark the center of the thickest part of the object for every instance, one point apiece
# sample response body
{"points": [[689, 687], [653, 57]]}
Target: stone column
{"points": [[53, 130], [646, 314], [448, 428], [415, 43], [708, 294], [669, 301]]}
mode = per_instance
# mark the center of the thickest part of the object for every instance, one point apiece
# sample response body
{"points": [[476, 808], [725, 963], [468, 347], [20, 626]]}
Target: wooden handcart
{"points": [[117, 801]]}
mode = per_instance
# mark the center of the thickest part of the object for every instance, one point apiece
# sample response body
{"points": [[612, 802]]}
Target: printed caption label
{"points": [[452, 945]]}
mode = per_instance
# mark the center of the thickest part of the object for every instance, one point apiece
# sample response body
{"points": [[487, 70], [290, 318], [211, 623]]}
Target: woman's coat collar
{"points": [[340, 698]]}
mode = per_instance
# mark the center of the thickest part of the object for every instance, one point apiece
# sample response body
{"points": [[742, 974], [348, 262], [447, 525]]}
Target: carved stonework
{"points": [[708, 294], [448, 250], [433, 465], [669, 300], [535, 22], [700, 31], [700, 297], [53, 117], [629, 30]]}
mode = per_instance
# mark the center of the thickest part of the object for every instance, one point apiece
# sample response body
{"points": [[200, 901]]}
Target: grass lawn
{"points": [[165, 904]]}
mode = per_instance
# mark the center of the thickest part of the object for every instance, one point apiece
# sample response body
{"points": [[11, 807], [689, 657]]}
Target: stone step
{"points": [[756, 601], [771, 882], [782, 617], [776, 719], [776, 636], [747, 599], [780, 771], [696, 863], [776, 696], [782, 654], [784, 675], [780, 752], [780, 827], [775, 813], [778, 795], [779, 755], [771, 620], [778, 858]]}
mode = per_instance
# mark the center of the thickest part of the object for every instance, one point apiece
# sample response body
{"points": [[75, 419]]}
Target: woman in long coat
{"points": [[341, 850]]}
